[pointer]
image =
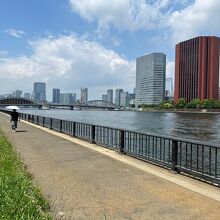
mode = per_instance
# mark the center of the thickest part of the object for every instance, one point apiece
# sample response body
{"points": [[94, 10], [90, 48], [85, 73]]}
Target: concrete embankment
{"points": [[85, 181]]}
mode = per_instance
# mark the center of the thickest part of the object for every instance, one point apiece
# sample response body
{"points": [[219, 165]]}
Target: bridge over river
{"points": [[24, 102], [93, 104]]}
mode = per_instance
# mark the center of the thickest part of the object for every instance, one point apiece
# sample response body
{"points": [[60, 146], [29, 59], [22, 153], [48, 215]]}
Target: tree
{"points": [[195, 104], [181, 103], [208, 103], [166, 105]]}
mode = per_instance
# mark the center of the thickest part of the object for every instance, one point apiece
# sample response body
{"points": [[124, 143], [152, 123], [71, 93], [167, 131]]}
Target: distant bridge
{"points": [[99, 103], [22, 102], [93, 104]]}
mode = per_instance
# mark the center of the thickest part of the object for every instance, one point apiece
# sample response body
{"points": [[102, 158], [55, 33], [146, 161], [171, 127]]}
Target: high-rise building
{"points": [[27, 95], [84, 95], [169, 87], [39, 92], [110, 95], [56, 95], [131, 98], [66, 98], [150, 78], [118, 96], [126, 98], [104, 97], [197, 68], [17, 93], [74, 97]]}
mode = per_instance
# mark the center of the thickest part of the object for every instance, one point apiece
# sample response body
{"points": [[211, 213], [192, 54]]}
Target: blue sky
{"points": [[93, 43]]}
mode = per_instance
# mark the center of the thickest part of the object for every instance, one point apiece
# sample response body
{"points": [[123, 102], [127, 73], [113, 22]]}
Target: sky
{"points": [[71, 44]]}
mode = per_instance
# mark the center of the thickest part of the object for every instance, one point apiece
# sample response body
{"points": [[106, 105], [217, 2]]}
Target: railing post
{"points": [[29, 118], [61, 125], [174, 155], [93, 134], [51, 123], [74, 129], [122, 142], [37, 120], [43, 121]]}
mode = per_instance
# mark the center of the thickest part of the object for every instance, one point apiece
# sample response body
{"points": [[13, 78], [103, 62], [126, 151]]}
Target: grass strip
{"points": [[19, 198]]}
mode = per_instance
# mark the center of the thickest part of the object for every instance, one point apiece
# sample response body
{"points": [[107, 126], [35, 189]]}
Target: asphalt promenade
{"points": [[86, 181]]}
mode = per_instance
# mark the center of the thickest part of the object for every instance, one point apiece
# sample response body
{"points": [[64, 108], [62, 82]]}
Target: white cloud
{"points": [[69, 62], [15, 33], [129, 15], [174, 20], [200, 18]]}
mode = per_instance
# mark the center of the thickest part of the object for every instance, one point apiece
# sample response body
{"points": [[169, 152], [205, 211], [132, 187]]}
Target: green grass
{"points": [[19, 199]]}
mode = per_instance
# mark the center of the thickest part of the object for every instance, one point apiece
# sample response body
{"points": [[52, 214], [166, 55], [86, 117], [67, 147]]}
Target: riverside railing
{"points": [[200, 160]]}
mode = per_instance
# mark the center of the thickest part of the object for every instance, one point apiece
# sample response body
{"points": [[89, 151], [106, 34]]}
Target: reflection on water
{"points": [[197, 126]]}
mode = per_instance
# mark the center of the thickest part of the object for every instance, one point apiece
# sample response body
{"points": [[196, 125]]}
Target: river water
{"points": [[196, 126]]}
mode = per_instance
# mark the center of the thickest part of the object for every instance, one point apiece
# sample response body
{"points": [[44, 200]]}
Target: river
{"points": [[196, 126]]}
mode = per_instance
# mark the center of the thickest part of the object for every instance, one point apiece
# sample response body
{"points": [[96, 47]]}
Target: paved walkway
{"points": [[82, 183]]}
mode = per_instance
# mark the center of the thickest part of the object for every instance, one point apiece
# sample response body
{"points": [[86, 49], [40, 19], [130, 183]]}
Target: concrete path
{"points": [[82, 183]]}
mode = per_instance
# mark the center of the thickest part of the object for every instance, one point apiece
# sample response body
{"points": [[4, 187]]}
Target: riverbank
{"points": [[187, 110], [19, 199]]}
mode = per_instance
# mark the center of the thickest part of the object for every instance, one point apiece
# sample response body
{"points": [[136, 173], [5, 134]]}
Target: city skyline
{"points": [[89, 44]]}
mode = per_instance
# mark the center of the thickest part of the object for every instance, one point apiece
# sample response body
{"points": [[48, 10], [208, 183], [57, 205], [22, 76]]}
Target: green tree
{"points": [[216, 104], [181, 103], [166, 104], [208, 103], [195, 104]]}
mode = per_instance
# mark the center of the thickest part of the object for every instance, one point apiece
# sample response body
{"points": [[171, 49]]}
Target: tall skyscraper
{"points": [[150, 79], [84, 95], [197, 68], [39, 93], [169, 87], [74, 97], [104, 97], [124, 99], [118, 96], [110, 95], [56, 95], [17, 93], [27, 95], [66, 98]]}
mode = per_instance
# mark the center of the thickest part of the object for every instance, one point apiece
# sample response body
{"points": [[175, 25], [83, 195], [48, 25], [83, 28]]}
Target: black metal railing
{"points": [[198, 159]]}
